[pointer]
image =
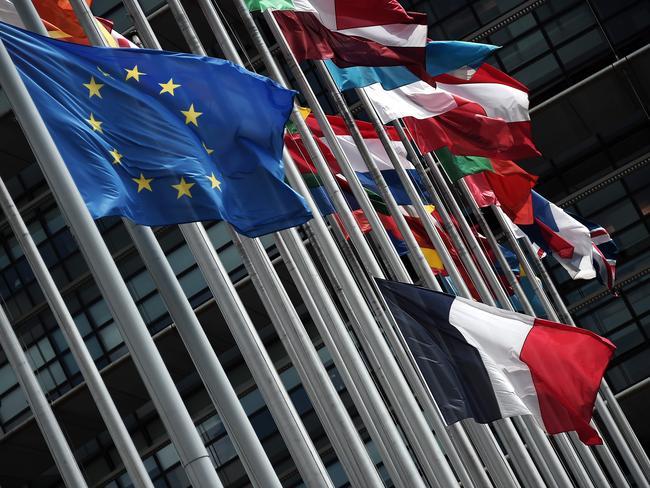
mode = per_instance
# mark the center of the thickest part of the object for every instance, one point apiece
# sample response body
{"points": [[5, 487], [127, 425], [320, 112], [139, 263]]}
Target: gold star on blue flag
{"points": [[163, 138]]}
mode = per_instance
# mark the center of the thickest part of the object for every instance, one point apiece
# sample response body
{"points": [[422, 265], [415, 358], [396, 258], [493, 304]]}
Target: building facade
{"points": [[587, 63]]}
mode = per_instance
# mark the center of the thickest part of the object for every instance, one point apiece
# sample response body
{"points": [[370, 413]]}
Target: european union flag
{"points": [[163, 138]]}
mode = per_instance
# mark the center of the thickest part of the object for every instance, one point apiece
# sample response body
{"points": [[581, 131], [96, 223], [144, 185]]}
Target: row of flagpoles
{"points": [[416, 446]]}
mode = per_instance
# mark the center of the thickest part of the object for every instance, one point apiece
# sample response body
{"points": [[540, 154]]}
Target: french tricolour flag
{"points": [[485, 363]]}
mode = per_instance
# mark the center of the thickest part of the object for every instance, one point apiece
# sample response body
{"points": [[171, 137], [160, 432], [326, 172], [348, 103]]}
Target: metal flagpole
{"points": [[240, 431], [47, 423], [564, 445], [223, 396], [301, 448], [427, 275], [456, 238], [541, 448], [144, 354], [107, 409], [624, 443], [461, 442], [305, 455], [586, 455], [626, 436], [351, 367], [415, 253], [371, 336], [377, 340], [327, 403], [379, 420], [548, 462], [111, 416], [520, 456]]}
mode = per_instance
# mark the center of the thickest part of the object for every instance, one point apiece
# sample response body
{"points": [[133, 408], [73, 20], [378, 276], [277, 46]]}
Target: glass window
{"points": [[81, 321], [631, 237], [192, 282], [626, 339], [640, 298], [54, 221], [569, 24], [152, 308], [637, 368], [7, 378], [601, 199], [12, 404], [222, 451], [180, 259], [37, 232], [92, 343], [521, 51], [40, 353], [617, 216], [582, 49], [99, 312], [110, 336], [488, 10], [141, 285], [167, 456], [612, 315], [461, 24]]}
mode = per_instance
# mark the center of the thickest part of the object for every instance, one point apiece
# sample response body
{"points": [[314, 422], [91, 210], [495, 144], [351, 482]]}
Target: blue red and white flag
{"points": [[605, 252], [567, 239], [486, 363]]}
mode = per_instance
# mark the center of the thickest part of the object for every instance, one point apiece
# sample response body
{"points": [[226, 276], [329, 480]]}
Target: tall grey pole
{"points": [[424, 270], [542, 451], [376, 340], [570, 456], [371, 336], [325, 399], [573, 461], [301, 448], [393, 445], [148, 361], [520, 456], [457, 240], [240, 431], [107, 409], [592, 466], [223, 396], [634, 460], [351, 367], [327, 403], [47, 423]]}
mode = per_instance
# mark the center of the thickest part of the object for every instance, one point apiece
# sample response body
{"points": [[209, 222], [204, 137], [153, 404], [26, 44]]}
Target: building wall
{"points": [[587, 132]]}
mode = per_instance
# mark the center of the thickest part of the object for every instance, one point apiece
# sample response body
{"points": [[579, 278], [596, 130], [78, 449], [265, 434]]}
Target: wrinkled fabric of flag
{"points": [[163, 138]]}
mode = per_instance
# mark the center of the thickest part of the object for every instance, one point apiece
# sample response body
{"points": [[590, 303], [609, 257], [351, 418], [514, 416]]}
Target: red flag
{"points": [[512, 187]]}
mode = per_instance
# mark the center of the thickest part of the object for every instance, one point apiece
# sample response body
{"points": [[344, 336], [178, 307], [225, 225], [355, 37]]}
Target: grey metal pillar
{"points": [[148, 361], [591, 465], [45, 419], [107, 409], [624, 443]]}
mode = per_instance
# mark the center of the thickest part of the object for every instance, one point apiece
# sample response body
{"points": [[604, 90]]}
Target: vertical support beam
{"points": [[47, 423], [107, 409], [148, 361]]}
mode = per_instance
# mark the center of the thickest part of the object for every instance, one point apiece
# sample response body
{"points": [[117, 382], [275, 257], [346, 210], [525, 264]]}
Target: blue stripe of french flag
{"points": [[485, 363]]}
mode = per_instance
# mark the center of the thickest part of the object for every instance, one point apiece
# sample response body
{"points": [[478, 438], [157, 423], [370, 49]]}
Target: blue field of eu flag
{"points": [[163, 138]]}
